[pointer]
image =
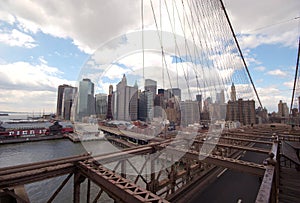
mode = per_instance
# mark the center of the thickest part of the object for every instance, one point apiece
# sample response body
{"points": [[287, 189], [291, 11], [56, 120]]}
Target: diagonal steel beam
{"points": [[119, 188]]}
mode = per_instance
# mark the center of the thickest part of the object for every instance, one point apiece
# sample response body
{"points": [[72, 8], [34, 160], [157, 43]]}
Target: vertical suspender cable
{"points": [[240, 52], [143, 50], [296, 76]]}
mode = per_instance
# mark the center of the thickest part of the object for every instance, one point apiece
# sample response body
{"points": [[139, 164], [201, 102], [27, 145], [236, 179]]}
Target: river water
{"points": [[39, 192]]}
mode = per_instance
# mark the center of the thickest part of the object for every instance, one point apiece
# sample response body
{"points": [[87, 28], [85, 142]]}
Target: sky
{"points": [[47, 43]]}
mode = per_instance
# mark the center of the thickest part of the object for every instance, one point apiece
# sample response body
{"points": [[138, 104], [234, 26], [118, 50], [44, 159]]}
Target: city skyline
{"points": [[39, 51]]}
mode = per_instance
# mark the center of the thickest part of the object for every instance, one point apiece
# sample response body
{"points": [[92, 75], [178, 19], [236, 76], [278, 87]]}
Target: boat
{"points": [[4, 114]]}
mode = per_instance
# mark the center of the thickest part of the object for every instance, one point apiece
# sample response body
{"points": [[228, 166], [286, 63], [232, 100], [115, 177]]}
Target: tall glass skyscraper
{"points": [[86, 101], [67, 101]]}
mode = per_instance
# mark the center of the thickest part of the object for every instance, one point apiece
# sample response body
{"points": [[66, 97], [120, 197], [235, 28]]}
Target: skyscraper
{"points": [[67, 101], [175, 92], [126, 101], [189, 112], [151, 86], [220, 97], [283, 109], [59, 102], [146, 104], [101, 105], [233, 93], [109, 114], [86, 101], [199, 100]]}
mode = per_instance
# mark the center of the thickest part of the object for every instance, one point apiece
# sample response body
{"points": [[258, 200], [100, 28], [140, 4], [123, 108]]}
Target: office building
{"points": [[101, 105], [242, 111], [151, 86], [283, 109], [86, 101], [109, 113], [146, 104], [190, 113], [199, 100], [59, 103], [126, 101], [220, 97], [68, 101], [176, 92], [233, 93]]}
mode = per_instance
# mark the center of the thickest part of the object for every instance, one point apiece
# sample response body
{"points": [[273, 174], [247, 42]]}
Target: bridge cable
{"points": [[240, 52], [296, 76]]}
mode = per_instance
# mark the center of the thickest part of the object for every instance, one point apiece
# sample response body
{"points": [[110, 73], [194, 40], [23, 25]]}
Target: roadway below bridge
{"points": [[231, 186]]}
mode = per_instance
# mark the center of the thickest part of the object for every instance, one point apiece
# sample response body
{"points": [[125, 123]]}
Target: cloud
{"points": [[271, 95], [91, 23], [277, 72], [87, 23], [28, 100], [17, 38], [260, 68], [25, 86], [289, 84], [276, 27]]}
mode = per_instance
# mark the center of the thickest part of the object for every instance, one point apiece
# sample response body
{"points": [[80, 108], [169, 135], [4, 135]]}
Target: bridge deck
{"points": [[289, 152], [289, 187]]}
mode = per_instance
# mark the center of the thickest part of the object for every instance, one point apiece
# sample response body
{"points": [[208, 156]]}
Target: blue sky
{"points": [[45, 44]]}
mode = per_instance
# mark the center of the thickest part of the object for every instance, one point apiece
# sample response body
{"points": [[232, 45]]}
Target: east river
{"points": [[39, 192]]}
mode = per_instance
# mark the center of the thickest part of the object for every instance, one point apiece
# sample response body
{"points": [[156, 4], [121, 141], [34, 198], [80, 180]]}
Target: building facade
{"points": [[146, 104], [68, 101], [190, 113], [151, 86], [86, 101], [283, 109], [126, 101], [59, 103], [109, 113], [101, 105], [242, 111]]}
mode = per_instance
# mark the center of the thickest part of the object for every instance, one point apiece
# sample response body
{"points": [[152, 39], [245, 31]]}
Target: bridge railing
{"points": [[270, 182]]}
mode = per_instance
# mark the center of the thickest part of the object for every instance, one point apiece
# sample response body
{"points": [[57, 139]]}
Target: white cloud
{"points": [[87, 23], [17, 38], [275, 19], [271, 95], [260, 68], [24, 86], [91, 23], [277, 72], [28, 101], [289, 84]]}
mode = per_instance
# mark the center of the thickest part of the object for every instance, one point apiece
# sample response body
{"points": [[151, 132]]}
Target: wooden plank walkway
{"points": [[289, 185], [289, 152]]}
